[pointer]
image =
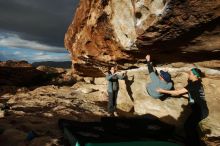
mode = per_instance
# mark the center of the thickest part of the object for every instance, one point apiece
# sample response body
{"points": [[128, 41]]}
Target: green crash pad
{"points": [[133, 143], [134, 131]]}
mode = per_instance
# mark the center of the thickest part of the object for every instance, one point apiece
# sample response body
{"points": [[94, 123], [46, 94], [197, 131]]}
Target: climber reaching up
{"points": [[163, 80]]}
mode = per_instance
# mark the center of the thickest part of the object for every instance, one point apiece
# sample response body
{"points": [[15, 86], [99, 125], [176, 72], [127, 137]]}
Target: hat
{"points": [[165, 75], [195, 71]]}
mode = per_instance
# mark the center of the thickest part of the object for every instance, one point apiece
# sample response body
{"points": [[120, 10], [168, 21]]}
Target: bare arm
{"points": [[173, 92], [149, 64]]}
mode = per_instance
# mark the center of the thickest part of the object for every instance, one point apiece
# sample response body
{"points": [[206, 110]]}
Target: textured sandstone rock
{"points": [[13, 63], [20, 73], [99, 81], [39, 108], [2, 114], [172, 110], [50, 70], [111, 31], [89, 80], [13, 137], [47, 141]]}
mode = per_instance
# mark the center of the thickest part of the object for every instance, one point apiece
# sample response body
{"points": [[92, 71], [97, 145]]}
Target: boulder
{"points": [[174, 110], [15, 73], [171, 30], [50, 70], [13, 137], [46, 141]]}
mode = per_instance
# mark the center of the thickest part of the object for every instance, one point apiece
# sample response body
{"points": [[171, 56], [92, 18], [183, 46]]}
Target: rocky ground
{"points": [[38, 108]]}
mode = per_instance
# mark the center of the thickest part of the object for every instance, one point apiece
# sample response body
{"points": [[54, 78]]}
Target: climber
{"points": [[113, 88], [157, 81], [195, 90]]}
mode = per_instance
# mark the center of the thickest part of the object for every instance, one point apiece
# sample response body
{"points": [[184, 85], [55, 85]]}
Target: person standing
{"points": [[113, 88], [200, 111]]}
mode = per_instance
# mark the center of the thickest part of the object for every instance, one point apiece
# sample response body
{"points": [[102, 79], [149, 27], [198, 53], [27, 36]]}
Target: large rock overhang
{"points": [[108, 32]]}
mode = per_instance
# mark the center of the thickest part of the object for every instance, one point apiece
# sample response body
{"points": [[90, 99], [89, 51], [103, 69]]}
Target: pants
{"points": [[191, 125], [112, 101]]}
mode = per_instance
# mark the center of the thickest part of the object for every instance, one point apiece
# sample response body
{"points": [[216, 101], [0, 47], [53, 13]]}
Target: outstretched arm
{"points": [[109, 76], [149, 65], [123, 76], [173, 92], [153, 75]]}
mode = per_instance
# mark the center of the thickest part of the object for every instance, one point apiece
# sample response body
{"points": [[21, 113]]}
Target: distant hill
{"points": [[64, 64]]}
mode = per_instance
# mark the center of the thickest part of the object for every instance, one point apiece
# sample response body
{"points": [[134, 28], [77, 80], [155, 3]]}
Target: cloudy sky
{"points": [[33, 30]]}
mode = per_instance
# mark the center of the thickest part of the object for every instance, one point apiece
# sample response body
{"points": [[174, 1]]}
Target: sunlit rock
{"points": [[107, 32]]}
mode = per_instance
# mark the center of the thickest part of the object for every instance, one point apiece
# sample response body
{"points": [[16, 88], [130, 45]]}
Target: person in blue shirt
{"points": [[163, 81], [113, 88]]}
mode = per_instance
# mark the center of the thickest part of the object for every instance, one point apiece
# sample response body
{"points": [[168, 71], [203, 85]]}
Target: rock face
{"points": [[109, 31], [20, 73], [39, 108], [13, 63]]}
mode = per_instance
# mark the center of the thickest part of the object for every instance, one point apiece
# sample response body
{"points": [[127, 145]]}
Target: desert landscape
{"points": [[38, 108]]}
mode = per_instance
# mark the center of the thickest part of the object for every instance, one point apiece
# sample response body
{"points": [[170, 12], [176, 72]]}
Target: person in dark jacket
{"points": [[113, 88], [200, 111]]}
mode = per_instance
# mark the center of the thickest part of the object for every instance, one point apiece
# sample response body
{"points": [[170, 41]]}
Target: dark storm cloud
{"points": [[45, 21]]}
